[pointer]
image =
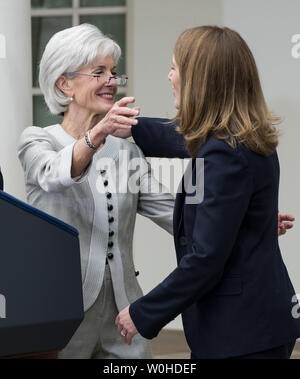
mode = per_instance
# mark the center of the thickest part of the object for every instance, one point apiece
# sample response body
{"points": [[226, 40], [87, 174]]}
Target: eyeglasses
{"points": [[121, 80]]}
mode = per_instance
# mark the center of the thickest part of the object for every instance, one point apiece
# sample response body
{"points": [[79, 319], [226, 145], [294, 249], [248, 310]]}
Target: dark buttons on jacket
{"points": [[108, 195], [111, 234], [105, 183], [110, 256], [110, 207], [137, 273], [110, 244], [111, 220], [183, 241]]}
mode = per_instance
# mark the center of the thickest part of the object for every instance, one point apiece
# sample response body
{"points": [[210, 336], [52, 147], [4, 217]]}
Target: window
{"points": [[51, 16]]}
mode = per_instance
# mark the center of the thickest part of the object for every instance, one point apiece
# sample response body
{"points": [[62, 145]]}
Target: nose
{"points": [[170, 75], [111, 81]]}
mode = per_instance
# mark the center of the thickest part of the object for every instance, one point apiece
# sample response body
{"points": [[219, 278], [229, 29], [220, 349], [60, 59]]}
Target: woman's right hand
{"points": [[117, 122]]}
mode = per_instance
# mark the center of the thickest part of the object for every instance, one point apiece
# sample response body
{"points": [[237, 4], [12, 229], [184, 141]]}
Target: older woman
{"points": [[77, 172]]}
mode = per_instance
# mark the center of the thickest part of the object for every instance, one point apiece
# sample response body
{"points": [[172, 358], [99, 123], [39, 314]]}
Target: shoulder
{"points": [[225, 165], [221, 151], [35, 138], [35, 132], [226, 169], [240, 155]]}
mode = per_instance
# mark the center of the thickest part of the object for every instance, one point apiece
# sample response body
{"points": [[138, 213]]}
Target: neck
{"points": [[77, 123]]}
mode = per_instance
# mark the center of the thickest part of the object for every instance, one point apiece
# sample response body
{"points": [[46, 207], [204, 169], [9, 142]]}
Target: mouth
{"points": [[106, 96]]}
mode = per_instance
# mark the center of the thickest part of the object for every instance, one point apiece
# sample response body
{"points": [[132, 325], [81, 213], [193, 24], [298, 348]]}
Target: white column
{"points": [[15, 88]]}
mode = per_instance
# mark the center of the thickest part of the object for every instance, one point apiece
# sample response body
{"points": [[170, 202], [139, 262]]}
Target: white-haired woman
{"points": [[75, 171]]}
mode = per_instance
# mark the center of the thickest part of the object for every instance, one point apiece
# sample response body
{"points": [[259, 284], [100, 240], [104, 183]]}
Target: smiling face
{"points": [[174, 78], [92, 94]]}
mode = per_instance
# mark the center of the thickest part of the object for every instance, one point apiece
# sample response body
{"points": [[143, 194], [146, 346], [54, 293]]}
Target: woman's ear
{"points": [[64, 85]]}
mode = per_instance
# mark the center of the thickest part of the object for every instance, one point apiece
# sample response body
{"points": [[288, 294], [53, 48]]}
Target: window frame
{"points": [[75, 12]]}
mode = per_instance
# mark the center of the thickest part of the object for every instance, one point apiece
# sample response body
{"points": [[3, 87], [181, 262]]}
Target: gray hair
{"points": [[68, 51]]}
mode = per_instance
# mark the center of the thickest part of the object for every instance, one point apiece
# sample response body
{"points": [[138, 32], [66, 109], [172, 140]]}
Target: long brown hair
{"points": [[221, 94]]}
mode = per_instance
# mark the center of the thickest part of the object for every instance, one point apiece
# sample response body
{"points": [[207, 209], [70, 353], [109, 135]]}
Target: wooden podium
{"points": [[40, 281]]}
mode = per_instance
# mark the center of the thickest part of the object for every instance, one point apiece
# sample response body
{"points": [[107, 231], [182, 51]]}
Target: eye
{"points": [[114, 73], [99, 72]]}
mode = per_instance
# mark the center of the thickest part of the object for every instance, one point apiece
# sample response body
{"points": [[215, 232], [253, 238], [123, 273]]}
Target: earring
{"points": [[71, 99]]}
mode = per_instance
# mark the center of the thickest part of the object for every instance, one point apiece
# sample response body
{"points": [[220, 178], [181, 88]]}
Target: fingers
{"points": [[138, 110], [286, 217], [287, 225], [117, 323], [122, 115], [285, 222], [128, 338], [125, 326], [281, 231], [124, 111], [121, 120], [120, 328], [125, 100]]}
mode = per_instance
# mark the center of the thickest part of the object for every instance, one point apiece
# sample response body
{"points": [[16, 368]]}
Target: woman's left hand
{"points": [[285, 222], [126, 326]]}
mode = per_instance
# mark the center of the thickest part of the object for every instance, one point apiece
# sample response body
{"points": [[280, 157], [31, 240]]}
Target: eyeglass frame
{"points": [[98, 76]]}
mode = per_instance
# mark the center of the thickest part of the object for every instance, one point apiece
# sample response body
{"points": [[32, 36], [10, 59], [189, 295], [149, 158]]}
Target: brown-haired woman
{"points": [[231, 284]]}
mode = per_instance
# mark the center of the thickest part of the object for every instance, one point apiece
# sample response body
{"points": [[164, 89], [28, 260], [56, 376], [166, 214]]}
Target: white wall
{"points": [[267, 27], [15, 89]]}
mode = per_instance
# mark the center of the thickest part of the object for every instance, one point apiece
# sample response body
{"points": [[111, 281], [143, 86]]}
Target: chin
{"points": [[103, 108]]}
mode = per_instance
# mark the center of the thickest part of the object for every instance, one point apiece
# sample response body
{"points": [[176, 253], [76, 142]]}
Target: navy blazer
{"points": [[231, 284]]}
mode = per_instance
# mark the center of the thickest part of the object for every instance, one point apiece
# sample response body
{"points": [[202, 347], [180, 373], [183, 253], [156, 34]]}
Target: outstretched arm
{"points": [[157, 137]]}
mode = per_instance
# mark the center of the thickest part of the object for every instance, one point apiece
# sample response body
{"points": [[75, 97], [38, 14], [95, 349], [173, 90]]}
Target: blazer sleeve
{"points": [[42, 165], [227, 191], [157, 137]]}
